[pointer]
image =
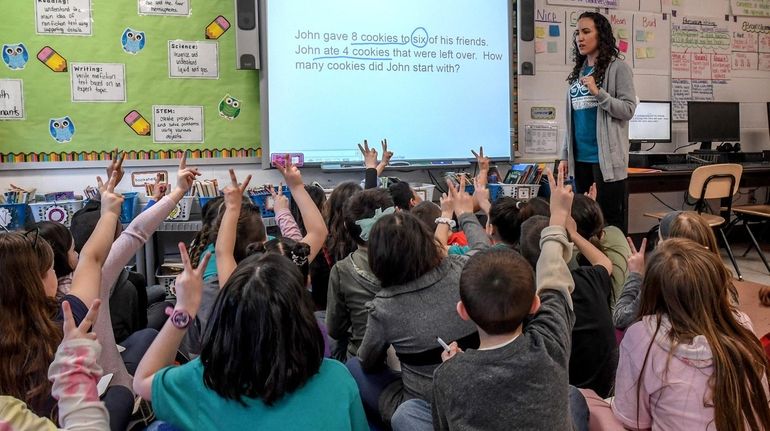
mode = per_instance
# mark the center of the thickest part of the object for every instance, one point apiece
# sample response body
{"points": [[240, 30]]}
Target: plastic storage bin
{"points": [[520, 191], [166, 275], [128, 210], [424, 191], [182, 210], [13, 216], [203, 200], [264, 201], [57, 211]]}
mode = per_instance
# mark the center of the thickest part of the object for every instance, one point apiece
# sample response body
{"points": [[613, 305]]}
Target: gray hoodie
{"points": [[351, 285]]}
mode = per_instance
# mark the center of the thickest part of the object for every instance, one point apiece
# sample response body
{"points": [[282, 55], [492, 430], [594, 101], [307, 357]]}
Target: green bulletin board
{"points": [[229, 99]]}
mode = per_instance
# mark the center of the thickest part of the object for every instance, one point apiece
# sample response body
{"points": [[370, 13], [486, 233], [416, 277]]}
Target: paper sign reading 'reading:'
{"points": [[70, 17], [174, 123], [193, 59]]}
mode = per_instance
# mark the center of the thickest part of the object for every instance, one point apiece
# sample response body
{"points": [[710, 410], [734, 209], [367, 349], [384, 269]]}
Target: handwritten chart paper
{"points": [[173, 123], [98, 82], [750, 7], [193, 59], [63, 17]]}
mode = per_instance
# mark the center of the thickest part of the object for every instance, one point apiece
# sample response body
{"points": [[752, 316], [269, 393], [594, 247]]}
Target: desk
{"points": [[668, 181], [677, 181]]}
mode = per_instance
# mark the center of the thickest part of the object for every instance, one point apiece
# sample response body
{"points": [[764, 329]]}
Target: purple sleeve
{"points": [[79, 309]]}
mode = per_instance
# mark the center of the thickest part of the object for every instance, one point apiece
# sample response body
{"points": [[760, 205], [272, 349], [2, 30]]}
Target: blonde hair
{"points": [[690, 225]]}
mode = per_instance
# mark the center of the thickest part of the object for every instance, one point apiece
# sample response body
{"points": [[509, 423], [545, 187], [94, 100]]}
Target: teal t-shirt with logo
{"points": [[584, 109]]}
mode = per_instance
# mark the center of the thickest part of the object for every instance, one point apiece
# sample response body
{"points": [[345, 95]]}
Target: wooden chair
{"points": [[714, 182], [753, 214]]}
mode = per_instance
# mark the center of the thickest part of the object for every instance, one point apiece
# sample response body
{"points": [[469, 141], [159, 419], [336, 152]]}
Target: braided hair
{"points": [[608, 50], [209, 214]]}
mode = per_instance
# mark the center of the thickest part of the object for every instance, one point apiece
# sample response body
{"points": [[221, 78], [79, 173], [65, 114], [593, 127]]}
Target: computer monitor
{"points": [[713, 121], [651, 123]]}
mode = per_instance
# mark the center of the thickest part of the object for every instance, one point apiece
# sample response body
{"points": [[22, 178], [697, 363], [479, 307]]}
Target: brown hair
{"points": [[29, 334], [688, 285], [402, 249], [690, 225], [497, 287]]}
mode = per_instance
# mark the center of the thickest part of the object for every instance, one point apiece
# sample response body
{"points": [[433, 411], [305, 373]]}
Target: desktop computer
{"points": [[651, 124], [709, 122]]}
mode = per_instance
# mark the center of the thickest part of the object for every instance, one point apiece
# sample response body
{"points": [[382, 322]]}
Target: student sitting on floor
{"points": [[517, 378], [689, 364], [74, 373], [414, 305], [262, 361], [351, 282]]}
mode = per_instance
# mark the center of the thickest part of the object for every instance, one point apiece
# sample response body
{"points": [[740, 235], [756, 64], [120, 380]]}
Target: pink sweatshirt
{"points": [[74, 373], [287, 225], [674, 390], [128, 243]]}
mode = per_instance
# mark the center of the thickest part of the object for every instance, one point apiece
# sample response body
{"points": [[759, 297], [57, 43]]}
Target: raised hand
{"points": [[561, 199], [563, 168], [461, 200], [386, 156], [370, 155], [482, 160], [280, 201], [160, 187], [82, 331], [447, 204], [291, 173], [189, 284], [636, 259], [481, 195], [185, 176], [591, 193], [234, 191], [116, 164], [111, 201]]}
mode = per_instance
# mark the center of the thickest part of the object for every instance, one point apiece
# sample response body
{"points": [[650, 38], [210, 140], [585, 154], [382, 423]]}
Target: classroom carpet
{"points": [[748, 293]]}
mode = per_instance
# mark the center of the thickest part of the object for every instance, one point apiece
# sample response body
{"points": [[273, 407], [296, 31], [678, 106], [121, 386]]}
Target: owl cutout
{"points": [[229, 107], [133, 41], [62, 129], [15, 56]]}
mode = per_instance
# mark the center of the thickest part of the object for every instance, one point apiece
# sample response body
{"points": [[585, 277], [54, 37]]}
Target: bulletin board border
{"points": [[86, 156]]}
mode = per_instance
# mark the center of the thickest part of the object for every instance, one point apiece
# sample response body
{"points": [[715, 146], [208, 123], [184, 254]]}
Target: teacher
{"points": [[600, 101]]}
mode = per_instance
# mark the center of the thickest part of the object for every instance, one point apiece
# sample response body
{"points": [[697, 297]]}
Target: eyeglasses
{"points": [[4, 228], [37, 235]]}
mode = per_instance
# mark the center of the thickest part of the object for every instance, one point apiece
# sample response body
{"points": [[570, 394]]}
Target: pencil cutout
{"points": [[52, 59], [217, 28], [137, 123]]}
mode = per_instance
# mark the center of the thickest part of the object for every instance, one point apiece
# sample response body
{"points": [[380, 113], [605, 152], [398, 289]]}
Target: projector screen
{"points": [[651, 122], [431, 76]]}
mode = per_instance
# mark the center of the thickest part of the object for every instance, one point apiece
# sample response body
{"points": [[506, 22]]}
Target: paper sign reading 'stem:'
{"points": [[175, 123]]}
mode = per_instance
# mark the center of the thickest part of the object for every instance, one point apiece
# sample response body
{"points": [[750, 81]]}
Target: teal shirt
{"points": [[328, 401], [584, 110], [211, 268]]}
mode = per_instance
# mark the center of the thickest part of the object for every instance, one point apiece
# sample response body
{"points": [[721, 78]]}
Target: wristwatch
{"points": [[180, 319]]}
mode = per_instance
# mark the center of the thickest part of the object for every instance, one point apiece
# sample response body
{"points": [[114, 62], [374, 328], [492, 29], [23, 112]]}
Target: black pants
{"points": [[611, 197]]}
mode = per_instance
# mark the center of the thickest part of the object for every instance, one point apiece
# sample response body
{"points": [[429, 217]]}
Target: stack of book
{"points": [[525, 173]]}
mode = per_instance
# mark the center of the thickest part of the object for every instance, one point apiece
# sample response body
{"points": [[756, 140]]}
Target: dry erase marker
{"points": [[217, 27], [137, 123], [52, 59], [443, 344]]}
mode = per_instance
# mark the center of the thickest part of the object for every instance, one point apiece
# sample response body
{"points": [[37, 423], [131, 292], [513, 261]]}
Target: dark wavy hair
{"points": [[297, 251], [402, 249], [59, 238], [262, 340], [250, 229], [363, 205], [209, 214], [608, 49], [339, 243]]}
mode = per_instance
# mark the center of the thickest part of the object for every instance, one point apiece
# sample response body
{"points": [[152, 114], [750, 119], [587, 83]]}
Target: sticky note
{"points": [[623, 45], [622, 33], [540, 32], [650, 52], [676, 3], [553, 30], [641, 53], [641, 35], [540, 46], [650, 36], [553, 47]]}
